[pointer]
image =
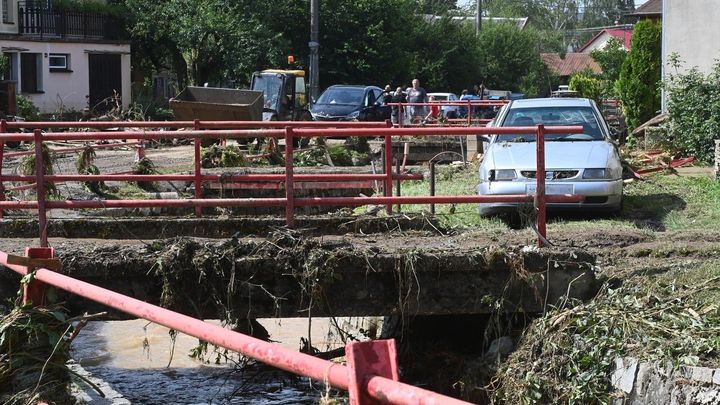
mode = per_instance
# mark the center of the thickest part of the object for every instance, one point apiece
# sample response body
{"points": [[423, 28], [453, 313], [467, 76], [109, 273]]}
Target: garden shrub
{"points": [[587, 85], [693, 106], [26, 109]]}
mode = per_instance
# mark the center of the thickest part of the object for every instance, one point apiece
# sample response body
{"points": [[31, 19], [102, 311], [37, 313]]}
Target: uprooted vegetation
{"points": [[568, 355], [34, 347]]}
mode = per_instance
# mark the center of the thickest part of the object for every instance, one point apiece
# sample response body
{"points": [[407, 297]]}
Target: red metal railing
{"points": [[469, 105], [289, 201], [370, 377]]}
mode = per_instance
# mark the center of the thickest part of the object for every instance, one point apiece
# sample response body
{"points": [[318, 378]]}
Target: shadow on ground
{"points": [[645, 212], [650, 211]]}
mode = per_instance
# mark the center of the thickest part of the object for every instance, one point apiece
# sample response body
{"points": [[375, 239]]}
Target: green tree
{"points": [[437, 6], [445, 55], [510, 59], [544, 14], [610, 58], [202, 40], [587, 85], [639, 83]]}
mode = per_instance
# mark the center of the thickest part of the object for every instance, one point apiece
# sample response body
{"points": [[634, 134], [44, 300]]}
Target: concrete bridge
{"points": [[329, 267]]}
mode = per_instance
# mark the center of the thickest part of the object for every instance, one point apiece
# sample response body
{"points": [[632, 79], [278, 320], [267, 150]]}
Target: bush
{"points": [[693, 106], [26, 109], [639, 82], [587, 85]]}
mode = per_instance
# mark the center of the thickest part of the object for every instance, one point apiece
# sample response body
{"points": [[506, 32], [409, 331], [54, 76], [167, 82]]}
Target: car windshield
{"points": [[269, 84], [341, 96], [553, 116], [439, 97]]}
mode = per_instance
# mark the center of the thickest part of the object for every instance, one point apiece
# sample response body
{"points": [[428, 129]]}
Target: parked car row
{"points": [[586, 163], [365, 103]]}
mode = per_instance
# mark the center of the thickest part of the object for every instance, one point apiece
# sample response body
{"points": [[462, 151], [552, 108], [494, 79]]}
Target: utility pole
{"points": [[478, 17], [314, 49]]}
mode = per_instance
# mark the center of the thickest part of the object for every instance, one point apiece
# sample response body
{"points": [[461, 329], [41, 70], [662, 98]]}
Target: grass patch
{"points": [[451, 180], [658, 203], [675, 202]]}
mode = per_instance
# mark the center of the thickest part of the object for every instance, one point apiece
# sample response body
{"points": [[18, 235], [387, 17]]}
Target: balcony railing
{"points": [[38, 19]]}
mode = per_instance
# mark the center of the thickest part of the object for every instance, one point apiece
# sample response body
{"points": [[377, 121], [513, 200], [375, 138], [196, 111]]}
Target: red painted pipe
{"points": [[281, 202], [289, 189], [302, 132], [387, 190], [383, 389], [226, 202], [3, 128], [438, 199], [191, 124], [540, 192], [377, 132], [197, 155], [40, 188], [56, 178]]}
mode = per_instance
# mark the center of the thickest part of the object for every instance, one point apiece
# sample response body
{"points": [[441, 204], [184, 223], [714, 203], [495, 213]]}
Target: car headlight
{"points": [[502, 175], [354, 114], [597, 174]]}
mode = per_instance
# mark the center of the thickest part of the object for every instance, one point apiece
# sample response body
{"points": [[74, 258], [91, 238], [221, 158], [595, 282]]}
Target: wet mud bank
{"points": [[293, 274], [153, 227]]}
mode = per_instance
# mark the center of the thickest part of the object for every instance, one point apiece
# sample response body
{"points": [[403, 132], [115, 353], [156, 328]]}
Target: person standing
{"points": [[398, 97], [387, 94], [417, 95]]}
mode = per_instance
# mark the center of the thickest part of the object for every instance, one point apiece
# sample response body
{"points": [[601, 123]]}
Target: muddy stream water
{"points": [[136, 362]]}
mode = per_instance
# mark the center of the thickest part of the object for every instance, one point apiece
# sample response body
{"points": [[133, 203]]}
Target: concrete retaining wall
{"points": [[652, 384]]}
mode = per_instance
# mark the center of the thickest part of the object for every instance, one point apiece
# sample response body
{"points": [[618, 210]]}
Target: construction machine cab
{"points": [[285, 94]]}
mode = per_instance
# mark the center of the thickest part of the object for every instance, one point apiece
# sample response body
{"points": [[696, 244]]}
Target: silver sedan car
{"points": [[586, 163]]}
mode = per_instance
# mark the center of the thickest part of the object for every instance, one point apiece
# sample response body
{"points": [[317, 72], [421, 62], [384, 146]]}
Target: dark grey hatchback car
{"points": [[350, 103]]}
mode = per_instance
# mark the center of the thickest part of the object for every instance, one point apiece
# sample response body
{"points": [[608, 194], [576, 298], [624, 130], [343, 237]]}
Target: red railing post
{"points": [[387, 190], [34, 290], [364, 359], [540, 191], [40, 181], [198, 168], [289, 187], [3, 130], [469, 112]]}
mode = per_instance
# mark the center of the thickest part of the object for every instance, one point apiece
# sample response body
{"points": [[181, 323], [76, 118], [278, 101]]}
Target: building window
{"points": [[8, 16], [59, 62], [30, 73]]}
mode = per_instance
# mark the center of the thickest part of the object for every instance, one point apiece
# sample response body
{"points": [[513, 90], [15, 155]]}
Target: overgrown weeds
{"points": [[567, 356], [85, 165], [27, 167], [145, 166], [34, 347], [223, 156]]}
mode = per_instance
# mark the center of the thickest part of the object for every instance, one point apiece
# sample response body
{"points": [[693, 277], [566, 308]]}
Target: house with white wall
{"points": [[691, 30], [62, 58]]}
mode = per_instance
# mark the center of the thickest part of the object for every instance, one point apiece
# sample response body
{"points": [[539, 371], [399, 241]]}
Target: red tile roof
{"points": [[650, 8], [624, 36], [572, 63]]}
